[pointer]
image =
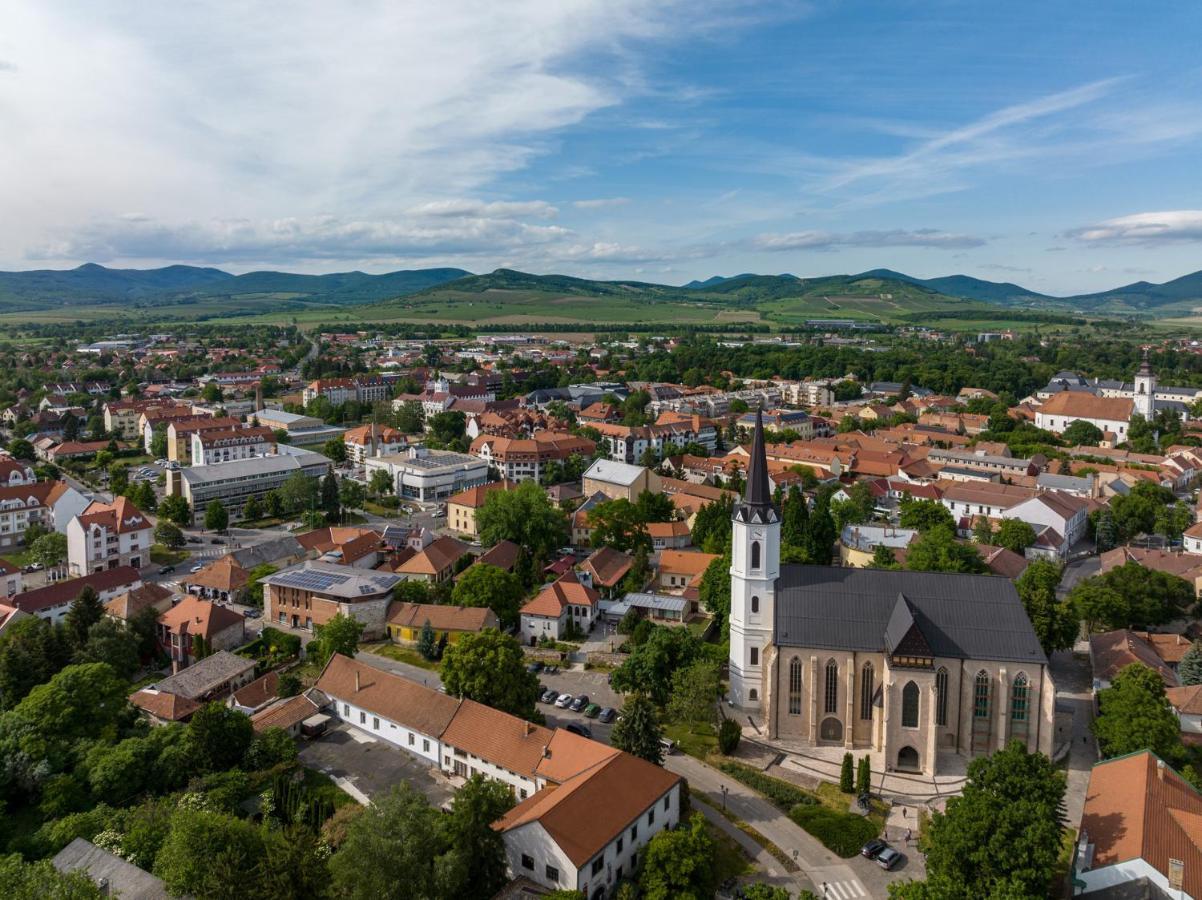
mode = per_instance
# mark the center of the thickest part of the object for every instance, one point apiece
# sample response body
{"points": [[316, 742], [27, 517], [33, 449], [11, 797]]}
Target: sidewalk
{"points": [[773, 872]]}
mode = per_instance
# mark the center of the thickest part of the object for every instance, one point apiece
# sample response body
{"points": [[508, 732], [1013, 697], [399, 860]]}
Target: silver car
{"points": [[564, 700]]}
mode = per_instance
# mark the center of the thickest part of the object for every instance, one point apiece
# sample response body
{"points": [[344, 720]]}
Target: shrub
{"points": [[846, 773], [728, 736], [841, 833], [864, 776], [780, 792]]}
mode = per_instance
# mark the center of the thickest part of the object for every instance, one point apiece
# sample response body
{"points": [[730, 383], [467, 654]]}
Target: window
{"points": [[553, 874], [426, 746], [795, 687], [755, 554], [910, 705], [866, 686], [667, 802], [755, 604], [980, 696], [941, 696], [346, 710], [634, 833], [831, 686], [755, 656], [598, 864], [412, 739], [619, 845], [375, 722], [362, 717], [527, 862], [754, 695], [650, 818], [1018, 698]]}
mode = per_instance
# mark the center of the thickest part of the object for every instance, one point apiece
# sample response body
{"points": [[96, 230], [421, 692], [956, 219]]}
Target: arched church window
{"points": [[1018, 698], [910, 705], [980, 696], [866, 687], [795, 687], [831, 687], [755, 554], [941, 696]]}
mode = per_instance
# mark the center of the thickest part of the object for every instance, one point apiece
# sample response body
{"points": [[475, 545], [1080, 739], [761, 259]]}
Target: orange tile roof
{"points": [[119, 517], [474, 497], [411, 704], [223, 574], [203, 617], [563, 592], [1080, 405], [502, 739], [259, 691], [437, 557], [130, 603], [164, 705], [284, 713], [570, 754], [685, 562], [441, 617]]}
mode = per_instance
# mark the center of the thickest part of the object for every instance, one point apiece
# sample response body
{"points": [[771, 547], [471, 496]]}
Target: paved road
{"points": [[1074, 690]]}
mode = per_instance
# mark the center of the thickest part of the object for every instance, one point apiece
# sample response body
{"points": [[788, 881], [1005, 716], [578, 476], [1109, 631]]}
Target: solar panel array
{"points": [[310, 579]]}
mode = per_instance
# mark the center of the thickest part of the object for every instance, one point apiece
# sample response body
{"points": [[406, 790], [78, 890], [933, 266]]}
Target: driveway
{"points": [[1074, 691], [367, 767]]}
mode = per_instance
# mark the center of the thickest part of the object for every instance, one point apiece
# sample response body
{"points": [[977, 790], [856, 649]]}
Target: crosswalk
{"points": [[843, 890]]}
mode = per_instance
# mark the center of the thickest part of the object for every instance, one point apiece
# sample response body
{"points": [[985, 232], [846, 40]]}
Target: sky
{"points": [[1056, 145]]}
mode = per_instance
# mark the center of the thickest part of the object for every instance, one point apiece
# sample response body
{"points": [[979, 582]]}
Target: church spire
{"points": [[758, 494], [1145, 367]]}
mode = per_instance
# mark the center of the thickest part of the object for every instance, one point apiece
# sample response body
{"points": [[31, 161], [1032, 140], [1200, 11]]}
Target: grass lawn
{"points": [[831, 797], [730, 860], [161, 555], [318, 784], [19, 558], [400, 654], [266, 522], [378, 509], [780, 855], [699, 743]]}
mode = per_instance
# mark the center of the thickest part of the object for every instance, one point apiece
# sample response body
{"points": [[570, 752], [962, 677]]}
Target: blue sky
{"points": [[1055, 145]]}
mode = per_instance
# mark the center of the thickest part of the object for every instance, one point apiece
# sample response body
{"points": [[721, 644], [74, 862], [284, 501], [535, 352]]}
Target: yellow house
{"points": [[461, 508], [406, 621]]}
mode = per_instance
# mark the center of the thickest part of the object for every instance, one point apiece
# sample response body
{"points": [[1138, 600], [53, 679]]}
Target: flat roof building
{"points": [[428, 475]]}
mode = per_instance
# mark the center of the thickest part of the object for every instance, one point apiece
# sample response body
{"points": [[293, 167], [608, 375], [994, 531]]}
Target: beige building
{"points": [[461, 509], [619, 480]]}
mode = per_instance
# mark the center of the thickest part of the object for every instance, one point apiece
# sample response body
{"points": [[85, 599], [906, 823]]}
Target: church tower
{"points": [[1145, 390], [754, 568]]}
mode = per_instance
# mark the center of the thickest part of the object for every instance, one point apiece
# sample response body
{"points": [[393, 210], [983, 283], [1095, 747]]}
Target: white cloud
{"points": [[1170, 226], [825, 240], [601, 203]]}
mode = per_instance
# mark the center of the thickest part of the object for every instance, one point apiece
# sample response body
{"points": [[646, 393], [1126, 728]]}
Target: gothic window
{"points": [[754, 695], [755, 554], [910, 705], [755, 604], [941, 696], [832, 686], [795, 687], [1018, 698], [866, 691], [980, 696]]}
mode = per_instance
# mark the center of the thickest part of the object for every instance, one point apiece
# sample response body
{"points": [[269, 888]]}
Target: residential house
{"points": [[367, 441], [563, 605], [407, 620], [1066, 514], [311, 593], [619, 480], [252, 697], [362, 548], [436, 563], [195, 628], [128, 604], [54, 600], [213, 678], [604, 571], [525, 459], [289, 713], [50, 504], [663, 609], [679, 569], [362, 389], [108, 535], [1112, 651], [223, 580]]}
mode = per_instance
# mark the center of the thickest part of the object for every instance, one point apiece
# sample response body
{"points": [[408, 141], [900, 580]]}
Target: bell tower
{"points": [[754, 569], [1145, 390]]}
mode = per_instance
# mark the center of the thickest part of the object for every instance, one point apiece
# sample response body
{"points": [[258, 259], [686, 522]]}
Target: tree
{"points": [[729, 735], [982, 530], [330, 502], [649, 667], [474, 865], [883, 558], [1082, 433], [210, 856], [818, 540], [1001, 838], [1135, 715], [411, 592], [1189, 670], [380, 482], [19, 448], [86, 610], [761, 891], [695, 690], [482, 585], [427, 643], [339, 635], [714, 592], [1055, 621], [448, 427], [618, 524], [169, 535], [109, 641], [1016, 535], [211, 392], [273, 504], [351, 494], [217, 518], [638, 731], [20, 880], [252, 509], [174, 508], [158, 442], [937, 550], [298, 493], [489, 667], [1105, 530], [221, 735], [31, 651], [1131, 595], [847, 773], [525, 516], [272, 747], [864, 775], [50, 550], [409, 417], [923, 514], [711, 526], [1099, 605], [335, 450], [678, 863]]}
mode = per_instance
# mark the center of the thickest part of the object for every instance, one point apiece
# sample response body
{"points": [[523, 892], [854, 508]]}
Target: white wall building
{"points": [[108, 535], [428, 475]]}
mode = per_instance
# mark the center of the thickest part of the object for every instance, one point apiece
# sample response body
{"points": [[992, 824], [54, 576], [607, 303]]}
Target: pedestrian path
{"points": [[843, 890]]}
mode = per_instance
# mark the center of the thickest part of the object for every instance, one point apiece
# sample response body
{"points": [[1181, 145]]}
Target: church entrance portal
{"points": [[831, 730], [907, 760]]}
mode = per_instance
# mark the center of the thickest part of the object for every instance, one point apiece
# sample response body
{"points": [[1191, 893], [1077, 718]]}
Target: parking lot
{"points": [[595, 685], [369, 765]]}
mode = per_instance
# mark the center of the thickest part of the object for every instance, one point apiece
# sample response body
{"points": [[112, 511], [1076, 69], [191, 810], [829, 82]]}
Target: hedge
{"points": [[841, 833], [780, 792]]}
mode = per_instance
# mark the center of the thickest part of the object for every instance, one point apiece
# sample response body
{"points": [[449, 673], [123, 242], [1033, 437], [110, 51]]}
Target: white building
{"points": [[214, 447], [367, 441], [233, 483], [562, 603], [1063, 513], [428, 475], [51, 504], [108, 535]]}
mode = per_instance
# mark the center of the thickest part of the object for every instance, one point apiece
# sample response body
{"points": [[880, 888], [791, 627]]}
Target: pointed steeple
{"points": [[1145, 367], [756, 504]]}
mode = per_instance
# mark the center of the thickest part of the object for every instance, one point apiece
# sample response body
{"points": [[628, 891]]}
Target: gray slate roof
{"points": [[961, 616], [205, 675], [123, 879]]}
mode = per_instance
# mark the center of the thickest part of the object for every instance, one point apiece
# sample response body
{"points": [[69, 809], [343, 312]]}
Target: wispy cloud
{"points": [[601, 203], [825, 240], [1167, 227]]}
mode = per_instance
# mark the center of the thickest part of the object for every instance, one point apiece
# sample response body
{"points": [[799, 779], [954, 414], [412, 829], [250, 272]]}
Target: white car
{"points": [[564, 700], [196, 568]]}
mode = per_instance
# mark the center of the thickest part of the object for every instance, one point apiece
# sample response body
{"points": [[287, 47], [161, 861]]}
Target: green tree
{"points": [[482, 585], [446, 428], [711, 526], [474, 865], [50, 550], [109, 641], [1105, 530], [618, 524], [883, 558], [761, 891], [729, 735], [380, 482], [271, 748], [211, 856], [818, 541], [1082, 433], [273, 503], [252, 509], [1135, 715], [525, 516], [982, 530], [217, 518], [86, 610], [158, 442], [1055, 621], [1131, 595], [31, 651], [489, 667], [211, 392], [221, 736], [937, 550], [351, 494], [714, 592], [19, 448], [409, 417], [169, 535], [339, 635], [298, 493], [1001, 838], [335, 450], [330, 500], [694, 693], [649, 668], [1189, 670], [863, 775], [1099, 605], [427, 643], [1016, 535], [847, 773], [20, 880], [678, 863], [923, 514], [174, 508]]}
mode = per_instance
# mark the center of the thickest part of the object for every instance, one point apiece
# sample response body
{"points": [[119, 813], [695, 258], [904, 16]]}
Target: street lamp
{"points": [[724, 799]]}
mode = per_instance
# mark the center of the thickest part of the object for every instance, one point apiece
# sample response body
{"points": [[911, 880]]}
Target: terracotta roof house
{"points": [[669, 535], [161, 707], [107, 535], [288, 713], [436, 563], [1112, 651], [9, 615], [604, 570], [128, 604], [487, 740], [1141, 831], [406, 620], [503, 554], [52, 601], [256, 695], [563, 605], [461, 507], [219, 627], [347, 546], [679, 569], [223, 579]]}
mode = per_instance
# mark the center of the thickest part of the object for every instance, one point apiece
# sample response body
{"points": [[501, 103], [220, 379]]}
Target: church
{"points": [[913, 666]]}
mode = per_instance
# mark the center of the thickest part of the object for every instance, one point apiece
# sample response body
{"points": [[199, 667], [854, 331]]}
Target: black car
{"points": [[217, 541], [607, 715], [166, 570], [579, 703], [535, 667], [873, 848], [195, 540], [576, 728], [550, 695]]}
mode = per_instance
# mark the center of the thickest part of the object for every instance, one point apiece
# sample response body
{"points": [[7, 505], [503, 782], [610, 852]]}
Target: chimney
{"points": [[526, 728], [1160, 769], [356, 681]]}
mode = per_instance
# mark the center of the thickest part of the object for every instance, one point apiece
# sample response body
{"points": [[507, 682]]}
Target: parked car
{"points": [[607, 715], [576, 728], [195, 540], [552, 670], [564, 701], [579, 703], [217, 541], [873, 848], [196, 568], [592, 711], [535, 667], [888, 858], [253, 613], [166, 570], [550, 695], [668, 746]]}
